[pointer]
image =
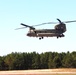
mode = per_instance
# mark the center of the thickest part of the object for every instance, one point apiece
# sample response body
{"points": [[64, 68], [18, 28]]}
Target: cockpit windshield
{"points": [[31, 31]]}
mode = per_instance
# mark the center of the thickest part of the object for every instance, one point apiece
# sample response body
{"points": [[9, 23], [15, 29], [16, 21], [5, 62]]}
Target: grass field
{"points": [[41, 72]]}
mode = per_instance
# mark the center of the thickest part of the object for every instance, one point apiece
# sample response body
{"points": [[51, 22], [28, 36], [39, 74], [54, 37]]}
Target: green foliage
{"points": [[1, 63], [47, 60], [35, 60], [44, 60], [68, 61]]}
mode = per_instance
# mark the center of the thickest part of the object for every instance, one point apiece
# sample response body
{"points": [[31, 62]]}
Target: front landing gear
{"points": [[40, 38]]}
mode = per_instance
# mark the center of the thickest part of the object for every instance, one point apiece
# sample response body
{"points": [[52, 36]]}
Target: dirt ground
{"points": [[64, 70], [67, 71]]}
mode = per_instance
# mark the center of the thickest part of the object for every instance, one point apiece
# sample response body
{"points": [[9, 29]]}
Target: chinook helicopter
{"points": [[58, 30]]}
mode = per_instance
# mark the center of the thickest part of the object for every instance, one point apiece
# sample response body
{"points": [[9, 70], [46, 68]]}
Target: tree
{"points": [[57, 62], [68, 61], [44, 60], [9, 59], [2, 64], [50, 61], [35, 60], [73, 54]]}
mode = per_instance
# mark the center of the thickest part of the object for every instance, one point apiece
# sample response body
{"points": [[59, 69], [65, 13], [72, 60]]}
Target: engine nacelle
{"points": [[61, 27]]}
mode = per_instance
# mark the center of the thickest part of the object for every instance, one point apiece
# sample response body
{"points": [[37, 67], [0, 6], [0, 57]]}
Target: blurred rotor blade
{"points": [[31, 27], [45, 23], [24, 25], [20, 28], [69, 21]]}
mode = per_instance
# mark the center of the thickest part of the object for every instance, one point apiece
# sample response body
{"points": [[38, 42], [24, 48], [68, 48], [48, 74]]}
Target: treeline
{"points": [[33, 60]]}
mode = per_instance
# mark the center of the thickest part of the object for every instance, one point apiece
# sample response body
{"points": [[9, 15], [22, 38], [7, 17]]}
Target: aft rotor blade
{"points": [[69, 21], [45, 23]]}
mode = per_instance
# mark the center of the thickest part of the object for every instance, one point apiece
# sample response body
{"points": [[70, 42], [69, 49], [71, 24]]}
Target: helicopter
{"points": [[58, 30]]}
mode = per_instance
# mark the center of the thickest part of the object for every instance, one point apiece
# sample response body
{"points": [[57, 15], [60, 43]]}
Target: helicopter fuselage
{"points": [[58, 31], [45, 33]]}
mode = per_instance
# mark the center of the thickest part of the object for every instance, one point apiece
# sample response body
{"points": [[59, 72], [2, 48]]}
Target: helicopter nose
{"points": [[28, 34]]}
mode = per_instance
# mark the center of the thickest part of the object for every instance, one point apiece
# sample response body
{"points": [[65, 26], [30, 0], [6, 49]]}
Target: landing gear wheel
{"points": [[62, 35], [42, 37], [39, 38], [57, 37]]}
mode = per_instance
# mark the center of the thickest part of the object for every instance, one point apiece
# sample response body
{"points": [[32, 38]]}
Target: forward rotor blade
{"points": [[24, 25], [20, 28], [45, 23], [31, 27], [69, 21]]}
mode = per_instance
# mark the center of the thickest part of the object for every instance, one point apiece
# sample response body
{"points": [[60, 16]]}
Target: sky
{"points": [[32, 12]]}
